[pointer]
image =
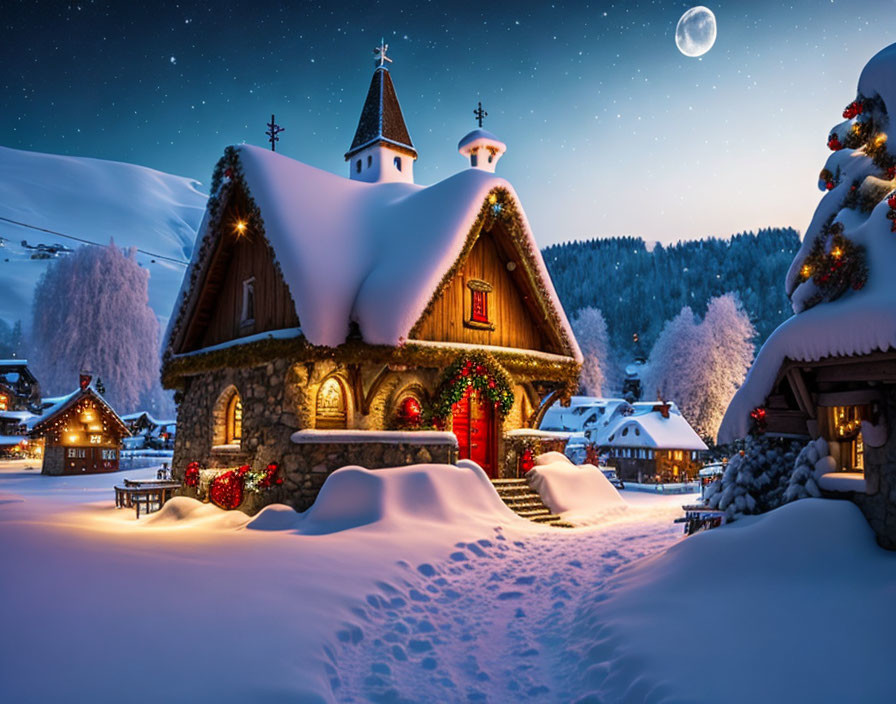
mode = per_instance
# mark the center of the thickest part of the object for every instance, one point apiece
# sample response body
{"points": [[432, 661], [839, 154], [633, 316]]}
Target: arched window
{"points": [[227, 418], [358, 166], [331, 405], [398, 163], [234, 420]]}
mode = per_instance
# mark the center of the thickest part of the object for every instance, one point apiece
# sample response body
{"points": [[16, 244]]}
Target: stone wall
{"points": [[273, 403], [879, 501], [516, 443], [306, 466]]}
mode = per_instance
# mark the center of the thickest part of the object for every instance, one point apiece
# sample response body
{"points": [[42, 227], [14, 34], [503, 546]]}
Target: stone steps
{"points": [[525, 502]]}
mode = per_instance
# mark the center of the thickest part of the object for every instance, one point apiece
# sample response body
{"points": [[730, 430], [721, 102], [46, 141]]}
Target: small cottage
{"points": [[80, 433], [149, 432], [650, 443], [369, 320], [19, 400]]}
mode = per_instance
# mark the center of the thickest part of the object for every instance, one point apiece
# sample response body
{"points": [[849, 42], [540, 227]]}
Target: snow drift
{"points": [[94, 200], [793, 605], [566, 488], [352, 497]]}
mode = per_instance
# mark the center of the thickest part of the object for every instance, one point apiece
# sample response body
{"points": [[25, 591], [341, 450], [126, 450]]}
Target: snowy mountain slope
{"points": [[95, 200]]}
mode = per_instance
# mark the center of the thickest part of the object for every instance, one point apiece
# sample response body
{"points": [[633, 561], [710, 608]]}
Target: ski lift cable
{"points": [[90, 242]]}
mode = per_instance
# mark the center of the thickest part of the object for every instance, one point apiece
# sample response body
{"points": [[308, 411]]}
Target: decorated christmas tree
{"points": [[843, 296]]}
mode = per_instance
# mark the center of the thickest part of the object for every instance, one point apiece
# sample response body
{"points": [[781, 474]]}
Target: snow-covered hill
{"points": [[94, 200]]}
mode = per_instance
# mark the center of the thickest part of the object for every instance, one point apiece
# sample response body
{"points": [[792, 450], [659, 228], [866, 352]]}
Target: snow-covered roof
{"points": [[149, 417], [12, 440], [652, 430], [21, 416], [372, 253], [480, 138], [63, 403], [381, 118], [581, 411], [857, 323]]}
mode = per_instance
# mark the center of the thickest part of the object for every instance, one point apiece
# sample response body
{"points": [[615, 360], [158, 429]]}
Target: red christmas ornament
{"points": [[834, 143], [410, 413], [226, 489], [526, 461], [891, 201], [891, 172], [829, 185], [191, 474], [228, 173], [758, 415]]}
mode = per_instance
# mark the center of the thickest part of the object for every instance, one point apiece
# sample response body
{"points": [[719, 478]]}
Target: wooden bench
{"points": [[151, 494]]}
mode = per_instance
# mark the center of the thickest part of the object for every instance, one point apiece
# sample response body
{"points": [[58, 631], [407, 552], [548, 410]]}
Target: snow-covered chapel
{"points": [[327, 321]]}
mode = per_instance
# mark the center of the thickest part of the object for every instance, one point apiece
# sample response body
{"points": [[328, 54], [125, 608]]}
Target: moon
{"points": [[696, 31]]}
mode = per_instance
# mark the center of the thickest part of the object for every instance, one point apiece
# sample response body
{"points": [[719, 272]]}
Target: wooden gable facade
{"points": [[82, 436], [490, 301], [242, 291]]}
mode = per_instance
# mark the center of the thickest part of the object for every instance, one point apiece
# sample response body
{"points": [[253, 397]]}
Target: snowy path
{"points": [[398, 612], [489, 623]]}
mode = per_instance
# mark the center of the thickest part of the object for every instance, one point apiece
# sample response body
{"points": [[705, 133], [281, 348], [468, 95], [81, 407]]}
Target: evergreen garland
{"points": [[477, 370], [835, 264]]}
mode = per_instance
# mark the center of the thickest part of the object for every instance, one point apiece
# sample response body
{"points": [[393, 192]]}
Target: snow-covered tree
{"points": [[729, 335], [700, 365], [590, 330], [759, 478], [91, 311], [11, 342], [676, 368]]}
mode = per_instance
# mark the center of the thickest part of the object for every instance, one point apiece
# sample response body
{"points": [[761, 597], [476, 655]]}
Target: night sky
{"points": [[610, 130]]}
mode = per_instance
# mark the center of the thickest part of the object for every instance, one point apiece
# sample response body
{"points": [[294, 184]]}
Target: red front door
{"points": [[473, 421]]}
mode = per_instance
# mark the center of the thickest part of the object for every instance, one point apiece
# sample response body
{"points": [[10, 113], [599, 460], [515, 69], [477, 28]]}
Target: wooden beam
{"points": [[882, 370], [803, 397], [536, 418], [856, 397], [374, 387], [786, 422]]}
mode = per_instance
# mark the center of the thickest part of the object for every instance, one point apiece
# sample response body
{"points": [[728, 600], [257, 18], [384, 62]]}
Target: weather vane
{"points": [[480, 114], [273, 130], [380, 53]]}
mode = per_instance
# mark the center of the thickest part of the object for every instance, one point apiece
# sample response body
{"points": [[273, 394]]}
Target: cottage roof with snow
{"points": [[360, 259], [653, 430]]}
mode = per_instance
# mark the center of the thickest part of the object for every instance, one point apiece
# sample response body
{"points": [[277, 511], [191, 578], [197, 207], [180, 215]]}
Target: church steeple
{"points": [[382, 149]]}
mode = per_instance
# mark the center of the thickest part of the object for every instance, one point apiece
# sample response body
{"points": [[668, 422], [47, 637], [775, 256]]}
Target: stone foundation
{"points": [[879, 501], [516, 443]]}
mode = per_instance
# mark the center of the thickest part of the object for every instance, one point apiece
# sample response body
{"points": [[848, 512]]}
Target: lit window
{"points": [[4, 403], [331, 407], [247, 316], [96, 439], [234, 420], [398, 163]]}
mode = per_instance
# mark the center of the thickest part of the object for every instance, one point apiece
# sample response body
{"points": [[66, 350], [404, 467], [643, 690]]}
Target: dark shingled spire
{"points": [[381, 119]]}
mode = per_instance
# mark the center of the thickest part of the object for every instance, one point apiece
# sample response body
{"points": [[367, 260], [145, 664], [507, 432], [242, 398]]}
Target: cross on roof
{"points": [[380, 53], [480, 114], [273, 130]]}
